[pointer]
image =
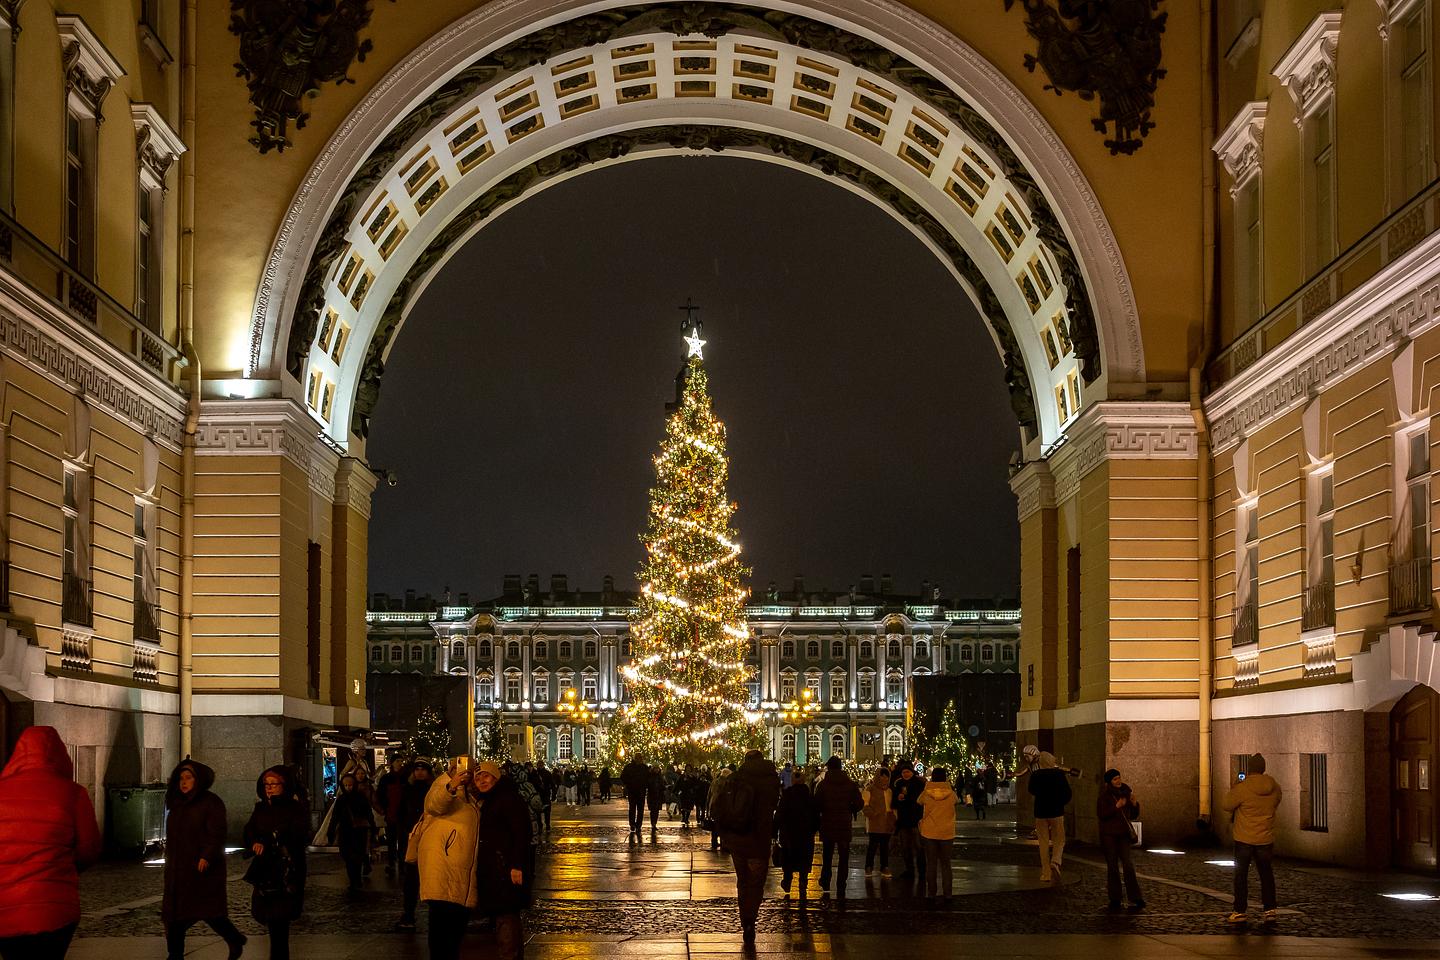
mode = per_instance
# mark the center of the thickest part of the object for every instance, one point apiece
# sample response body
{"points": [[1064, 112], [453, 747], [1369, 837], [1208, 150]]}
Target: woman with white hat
{"points": [[449, 837]]}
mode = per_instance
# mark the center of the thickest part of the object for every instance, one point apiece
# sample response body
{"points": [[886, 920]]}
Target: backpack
{"points": [[734, 808]]}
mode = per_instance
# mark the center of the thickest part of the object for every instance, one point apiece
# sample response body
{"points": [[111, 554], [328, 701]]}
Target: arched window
{"points": [[397, 652], [457, 652], [892, 649], [867, 686], [565, 682], [812, 682], [922, 650], [837, 687], [787, 649], [512, 650], [812, 650], [484, 651], [591, 744], [967, 653], [563, 742], [377, 653], [867, 650], [894, 743], [837, 745], [812, 746], [542, 650], [417, 653], [591, 650], [540, 692], [1007, 653], [787, 685], [542, 744], [893, 687], [787, 745], [588, 687], [987, 653], [837, 649], [566, 649], [485, 690]]}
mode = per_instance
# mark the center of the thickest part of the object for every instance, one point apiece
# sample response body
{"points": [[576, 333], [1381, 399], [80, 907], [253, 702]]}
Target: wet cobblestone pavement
{"points": [[594, 883]]}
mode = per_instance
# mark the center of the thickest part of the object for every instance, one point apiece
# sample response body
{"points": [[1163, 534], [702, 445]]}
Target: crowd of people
{"points": [[463, 840]]}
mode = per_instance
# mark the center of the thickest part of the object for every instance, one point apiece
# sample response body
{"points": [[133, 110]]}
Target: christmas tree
{"points": [[688, 678], [949, 748], [494, 742], [431, 740]]}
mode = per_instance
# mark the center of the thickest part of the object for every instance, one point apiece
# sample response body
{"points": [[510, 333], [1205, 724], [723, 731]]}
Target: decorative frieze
{"points": [[90, 70], [1117, 430], [1034, 487], [354, 485], [1241, 146], [1307, 70], [259, 428]]}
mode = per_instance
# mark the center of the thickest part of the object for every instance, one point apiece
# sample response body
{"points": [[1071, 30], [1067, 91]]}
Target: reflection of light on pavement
{"points": [[1410, 896], [1165, 852], [1221, 863]]}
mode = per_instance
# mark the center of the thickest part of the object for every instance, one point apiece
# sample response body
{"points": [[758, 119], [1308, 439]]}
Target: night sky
{"points": [[869, 426]]}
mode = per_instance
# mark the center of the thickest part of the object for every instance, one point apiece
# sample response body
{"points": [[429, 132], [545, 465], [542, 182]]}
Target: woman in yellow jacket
{"points": [[937, 831], [449, 838]]}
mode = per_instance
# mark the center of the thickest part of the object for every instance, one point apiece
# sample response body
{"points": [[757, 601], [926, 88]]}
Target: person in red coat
{"points": [[47, 836]]}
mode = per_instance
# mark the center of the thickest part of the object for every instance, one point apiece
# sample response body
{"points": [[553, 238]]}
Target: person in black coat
{"points": [[412, 808], [276, 837], [502, 858], [655, 797], [352, 820], [796, 820], [750, 848], [905, 789], [635, 776], [195, 860]]}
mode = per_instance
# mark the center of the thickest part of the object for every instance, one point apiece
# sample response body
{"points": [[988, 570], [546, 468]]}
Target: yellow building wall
{"points": [[1038, 598]]}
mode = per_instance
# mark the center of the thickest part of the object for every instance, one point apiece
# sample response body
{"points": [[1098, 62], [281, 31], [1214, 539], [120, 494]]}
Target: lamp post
{"points": [[798, 713], [579, 712]]}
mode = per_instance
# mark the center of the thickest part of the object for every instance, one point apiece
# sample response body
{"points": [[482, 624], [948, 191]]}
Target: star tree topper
{"points": [[693, 325]]}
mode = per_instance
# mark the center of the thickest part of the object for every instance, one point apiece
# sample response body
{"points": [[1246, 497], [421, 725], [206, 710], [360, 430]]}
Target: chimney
{"points": [[867, 585], [607, 589], [935, 593], [559, 587], [510, 586], [409, 598], [799, 588], [446, 596], [772, 592], [886, 585], [464, 598], [924, 590], [532, 588]]}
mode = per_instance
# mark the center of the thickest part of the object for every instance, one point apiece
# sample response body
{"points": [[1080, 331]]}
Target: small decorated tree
{"points": [[431, 739], [949, 748], [494, 742]]}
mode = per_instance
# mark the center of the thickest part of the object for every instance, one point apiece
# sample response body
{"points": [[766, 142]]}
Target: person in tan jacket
{"points": [[879, 823], [1252, 803], [449, 839]]}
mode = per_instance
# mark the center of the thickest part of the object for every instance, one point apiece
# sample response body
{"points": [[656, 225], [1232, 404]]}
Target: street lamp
{"points": [[579, 712], [797, 713]]}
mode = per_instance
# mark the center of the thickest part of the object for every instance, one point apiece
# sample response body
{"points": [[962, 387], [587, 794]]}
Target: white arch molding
{"points": [[898, 28]]}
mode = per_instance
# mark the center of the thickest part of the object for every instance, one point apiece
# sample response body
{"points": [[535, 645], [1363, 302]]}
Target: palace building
{"points": [[1205, 240], [856, 653]]}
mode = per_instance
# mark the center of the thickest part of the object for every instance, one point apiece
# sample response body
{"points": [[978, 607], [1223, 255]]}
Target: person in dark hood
{"points": [[352, 820], [751, 791], [635, 776], [796, 820], [503, 857], [412, 808], [655, 797], [838, 799], [276, 836], [905, 788], [195, 860], [47, 836]]}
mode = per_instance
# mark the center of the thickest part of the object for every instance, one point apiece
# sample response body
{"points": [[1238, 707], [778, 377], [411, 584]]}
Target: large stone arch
{"points": [[870, 94]]}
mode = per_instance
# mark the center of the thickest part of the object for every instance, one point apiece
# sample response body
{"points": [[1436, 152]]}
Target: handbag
{"points": [[1135, 831]]}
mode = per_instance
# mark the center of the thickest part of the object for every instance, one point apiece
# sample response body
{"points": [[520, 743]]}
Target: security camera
{"points": [[391, 478]]}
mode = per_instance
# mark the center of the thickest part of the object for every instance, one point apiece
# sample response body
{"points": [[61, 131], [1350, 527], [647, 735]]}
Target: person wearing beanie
{"points": [[503, 888], [1252, 803], [1051, 790], [1115, 807]]}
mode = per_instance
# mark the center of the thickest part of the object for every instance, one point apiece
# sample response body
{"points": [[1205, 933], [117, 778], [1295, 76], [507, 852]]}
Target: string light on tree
{"points": [[689, 678]]}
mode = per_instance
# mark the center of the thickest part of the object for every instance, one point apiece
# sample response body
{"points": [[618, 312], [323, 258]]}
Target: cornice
{"points": [[1307, 70], [38, 334], [1118, 430], [354, 485], [156, 144], [1396, 305], [10, 15], [268, 428], [1034, 488], [1241, 147], [90, 69]]}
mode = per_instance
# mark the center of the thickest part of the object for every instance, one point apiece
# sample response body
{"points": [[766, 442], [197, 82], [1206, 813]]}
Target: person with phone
{"points": [[1115, 807], [1252, 803]]}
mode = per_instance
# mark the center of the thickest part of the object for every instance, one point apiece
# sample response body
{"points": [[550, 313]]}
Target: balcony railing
{"points": [[47, 273], [1247, 626], [75, 600], [1410, 586], [147, 625], [1318, 607]]}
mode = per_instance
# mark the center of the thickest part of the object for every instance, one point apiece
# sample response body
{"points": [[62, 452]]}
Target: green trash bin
{"points": [[135, 819]]}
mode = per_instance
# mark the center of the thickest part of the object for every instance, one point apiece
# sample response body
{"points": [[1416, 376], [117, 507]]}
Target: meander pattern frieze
{"points": [[266, 434], [1360, 331], [47, 353]]}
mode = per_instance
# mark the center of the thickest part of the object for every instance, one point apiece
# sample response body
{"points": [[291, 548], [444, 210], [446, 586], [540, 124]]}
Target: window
{"points": [[1248, 301], [812, 746], [1072, 624], [1319, 139], [1318, 606], [787, 686], [591, 744], [76, 509], [587, 687], [564, 682], [787, 650], [987, 654], [1247, 580], [8, 37], [837, 688], [812, 683], [1417, 483], [893, 649], [397, 652], [949, 654], [837, 745], [893, 687], [967, 653], [1408, 47], [377, 653], [417, 653], [1314, 806], [484, 651], [867, 688], [512, 650], [837, 649], [148, 259], [867, 650], [752, 649], [625, 647], [894, 743], [512, 687], [922, 650], [147, 614], [485, 690], [812, 650], [79, 236], [591, 650], [564, 744], [753, 689], [541, 649], [787, 746], [542, 745], [541, 690], [567, 649], [1007, 653], [457, 652]]}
